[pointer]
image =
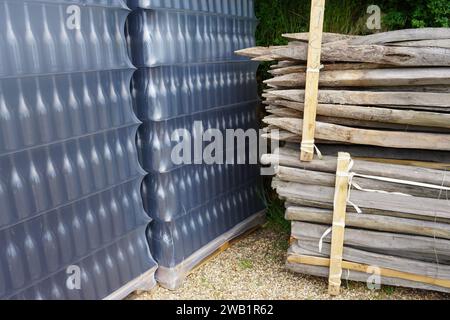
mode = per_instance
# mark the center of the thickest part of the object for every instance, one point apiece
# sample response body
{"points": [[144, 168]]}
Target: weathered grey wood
{"points": [[402, 35], [371, 202], [400, 56], [439, 43], [283, 135], [327, 67], [410, 117], [371, 222], [259, 52], [355, 122], [284, 64], [324, 179], [360, 277], [428, 269], [369, 77], [400, 245], [326, 36], [289, 157], [429, 99], [396, 171], [391, 139], [431, 159]]}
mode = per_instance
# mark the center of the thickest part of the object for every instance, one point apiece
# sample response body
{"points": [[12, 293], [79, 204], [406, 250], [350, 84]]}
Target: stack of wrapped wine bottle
{"points": [[189, 81], [72, 223]]}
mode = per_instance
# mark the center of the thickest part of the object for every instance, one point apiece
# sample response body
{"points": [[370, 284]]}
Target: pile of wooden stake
{"points": [[385, 100], [388, 89]]}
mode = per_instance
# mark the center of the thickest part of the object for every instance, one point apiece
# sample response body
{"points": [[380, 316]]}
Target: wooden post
{"points": [[312, 78], [338, 227]]}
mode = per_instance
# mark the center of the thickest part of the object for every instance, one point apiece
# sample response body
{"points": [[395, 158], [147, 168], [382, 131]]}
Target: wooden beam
{"points": [[289, 157], [338, 226], [428, 249], [382, 98], [319, 271], [312, 78], [399, 56], [375, 114], [325, 262], [379, 203], [368, 78], [390, 139], [371, 222]]}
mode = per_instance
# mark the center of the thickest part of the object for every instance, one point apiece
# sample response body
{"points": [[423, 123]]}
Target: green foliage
{"points": [[400, 14], [245, 264], [388, 290], [345, 16], [275, 214]]}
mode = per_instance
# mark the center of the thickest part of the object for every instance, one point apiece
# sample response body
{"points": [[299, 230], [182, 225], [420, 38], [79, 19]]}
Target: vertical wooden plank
{"points": [[312, 79], [338, 227]]}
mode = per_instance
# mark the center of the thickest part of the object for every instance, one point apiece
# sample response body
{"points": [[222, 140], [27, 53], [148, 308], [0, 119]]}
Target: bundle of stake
{"points": [[396, 223], [385, 99], [390, 90]]}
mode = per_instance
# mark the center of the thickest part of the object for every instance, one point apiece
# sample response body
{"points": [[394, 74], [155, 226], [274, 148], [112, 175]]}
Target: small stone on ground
{"points": [[254, 268]]}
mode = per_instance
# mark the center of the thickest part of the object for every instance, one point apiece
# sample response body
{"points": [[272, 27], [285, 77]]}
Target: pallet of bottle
{"points": [[179, 245], [238, 8], [166, 92], [157, 141], [169, 37], [41, 37]]}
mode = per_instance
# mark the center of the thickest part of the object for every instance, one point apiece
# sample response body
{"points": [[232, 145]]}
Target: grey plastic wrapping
{"points": [[160, 37], [188, 74], [173, 277], [69, 170], [239, 8]]}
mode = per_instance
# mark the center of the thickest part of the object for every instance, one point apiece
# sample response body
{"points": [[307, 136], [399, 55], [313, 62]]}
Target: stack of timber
{"points": [[390, 90], [384, 102], [396, 224]]}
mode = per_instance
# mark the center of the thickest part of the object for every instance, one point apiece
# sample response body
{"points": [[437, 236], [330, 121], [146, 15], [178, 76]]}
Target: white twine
{"points": [[315, 70], [307, 145]]}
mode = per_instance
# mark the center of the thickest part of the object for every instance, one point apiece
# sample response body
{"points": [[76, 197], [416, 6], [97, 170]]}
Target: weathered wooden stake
{"points": [[312, 78]]}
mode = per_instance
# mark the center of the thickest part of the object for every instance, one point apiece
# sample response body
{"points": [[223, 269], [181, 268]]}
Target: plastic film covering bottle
{"points": [[71, 224], [190, 81]]}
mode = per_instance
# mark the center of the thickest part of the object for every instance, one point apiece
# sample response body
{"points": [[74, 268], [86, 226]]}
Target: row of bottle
{"points": [[172, 242], [95, 276], [172, 91], [239, 8], [40, 179], [191, 186], [40, 246], [88, 3], [167, 37], [40, 38], [40, 110], [158, 142]]}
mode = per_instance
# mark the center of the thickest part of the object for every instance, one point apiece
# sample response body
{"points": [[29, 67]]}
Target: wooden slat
{"points": [[382, 138], [325, 262], [338, 227], [312, 78], [371, 222]]}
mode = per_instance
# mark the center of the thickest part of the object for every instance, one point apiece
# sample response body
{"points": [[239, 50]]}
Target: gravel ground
{"points": [[253, 268]]}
